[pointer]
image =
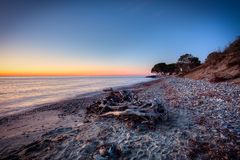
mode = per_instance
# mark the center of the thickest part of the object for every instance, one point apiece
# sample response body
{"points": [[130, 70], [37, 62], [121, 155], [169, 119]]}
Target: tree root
{"points": [[125, 105]]}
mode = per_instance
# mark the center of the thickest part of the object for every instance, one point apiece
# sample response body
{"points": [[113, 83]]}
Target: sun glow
{"points": [[29, 62]]}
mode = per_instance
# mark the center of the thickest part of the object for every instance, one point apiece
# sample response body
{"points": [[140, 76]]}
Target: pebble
{"points": [[102, 151]]}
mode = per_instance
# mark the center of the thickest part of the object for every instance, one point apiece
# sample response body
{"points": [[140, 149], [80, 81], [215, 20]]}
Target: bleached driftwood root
{"points": [[124, 104], [154, 112]]}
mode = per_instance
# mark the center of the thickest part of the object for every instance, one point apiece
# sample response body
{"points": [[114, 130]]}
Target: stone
{"points": [[102, 151]]}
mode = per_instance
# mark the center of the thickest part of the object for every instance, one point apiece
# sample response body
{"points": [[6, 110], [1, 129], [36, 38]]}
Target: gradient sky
{"points": [[110, 37]]}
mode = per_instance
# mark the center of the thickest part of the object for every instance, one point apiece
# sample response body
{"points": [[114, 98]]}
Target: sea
{"points": [[21, 93]]}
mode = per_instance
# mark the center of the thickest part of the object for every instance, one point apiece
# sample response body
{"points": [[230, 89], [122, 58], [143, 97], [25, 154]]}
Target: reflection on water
{"points": [[22, 92]]}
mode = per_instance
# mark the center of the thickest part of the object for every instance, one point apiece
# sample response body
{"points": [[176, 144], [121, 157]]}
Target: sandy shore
{"points": [[204, 123]]}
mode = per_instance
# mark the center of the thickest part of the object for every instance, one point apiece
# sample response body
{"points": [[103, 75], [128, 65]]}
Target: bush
{"points": [[234, 46], [214, 58], [234, 61]]}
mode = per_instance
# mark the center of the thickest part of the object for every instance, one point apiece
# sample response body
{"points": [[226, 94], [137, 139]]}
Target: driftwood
{"points": [[153, 112], [124, 104]]}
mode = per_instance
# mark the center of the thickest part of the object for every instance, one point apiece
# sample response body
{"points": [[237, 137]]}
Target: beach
{"points": [[203, 123], [23, 93]]}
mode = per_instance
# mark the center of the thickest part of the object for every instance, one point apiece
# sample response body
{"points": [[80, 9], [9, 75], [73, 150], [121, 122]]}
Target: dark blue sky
{"points": [[134, 34]]}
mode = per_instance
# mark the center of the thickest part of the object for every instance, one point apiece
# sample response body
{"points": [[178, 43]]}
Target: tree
{"points": [[187, 62], [164, 68], [171, 68], [158, 68]]}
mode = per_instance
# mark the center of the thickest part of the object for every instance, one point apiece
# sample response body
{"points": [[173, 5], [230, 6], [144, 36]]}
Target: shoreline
{"points": [[81, 95], [50, 105], [202, 117]]}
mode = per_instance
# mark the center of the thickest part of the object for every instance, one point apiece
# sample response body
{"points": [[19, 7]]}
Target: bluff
{"points": [[220, 65]]}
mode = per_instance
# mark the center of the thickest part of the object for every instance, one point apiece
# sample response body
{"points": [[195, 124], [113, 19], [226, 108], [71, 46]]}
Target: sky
{"points": [[110, 37]]}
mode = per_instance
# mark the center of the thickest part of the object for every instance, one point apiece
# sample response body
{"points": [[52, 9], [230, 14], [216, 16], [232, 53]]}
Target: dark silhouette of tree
{"points": [[164, 68], [187, 62], [159, 68], [171, 68]]}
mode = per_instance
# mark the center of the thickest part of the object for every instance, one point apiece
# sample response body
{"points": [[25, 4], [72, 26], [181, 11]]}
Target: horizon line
{"points": [[73, 75]]}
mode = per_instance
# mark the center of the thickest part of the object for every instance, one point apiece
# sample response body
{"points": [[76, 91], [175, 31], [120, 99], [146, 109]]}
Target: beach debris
{"points": [[125, 105]]}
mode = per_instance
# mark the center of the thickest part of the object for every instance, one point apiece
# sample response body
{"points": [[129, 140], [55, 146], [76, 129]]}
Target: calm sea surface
{"points": [[18, 93]]}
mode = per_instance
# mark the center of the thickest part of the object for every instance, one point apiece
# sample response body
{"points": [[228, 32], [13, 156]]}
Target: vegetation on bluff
{"points": [[184, 64], [218, 66], [164, 68]]}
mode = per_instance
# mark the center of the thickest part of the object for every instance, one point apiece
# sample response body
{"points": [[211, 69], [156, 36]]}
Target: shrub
{"points": [[214, 58]]}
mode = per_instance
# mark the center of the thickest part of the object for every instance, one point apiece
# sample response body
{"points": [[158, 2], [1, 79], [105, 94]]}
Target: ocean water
{"points": [[18, 93]]}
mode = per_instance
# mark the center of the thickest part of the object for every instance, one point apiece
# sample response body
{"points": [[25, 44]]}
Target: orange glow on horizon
{"points": [[72, 71], [71, 74], [38, 62]]}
